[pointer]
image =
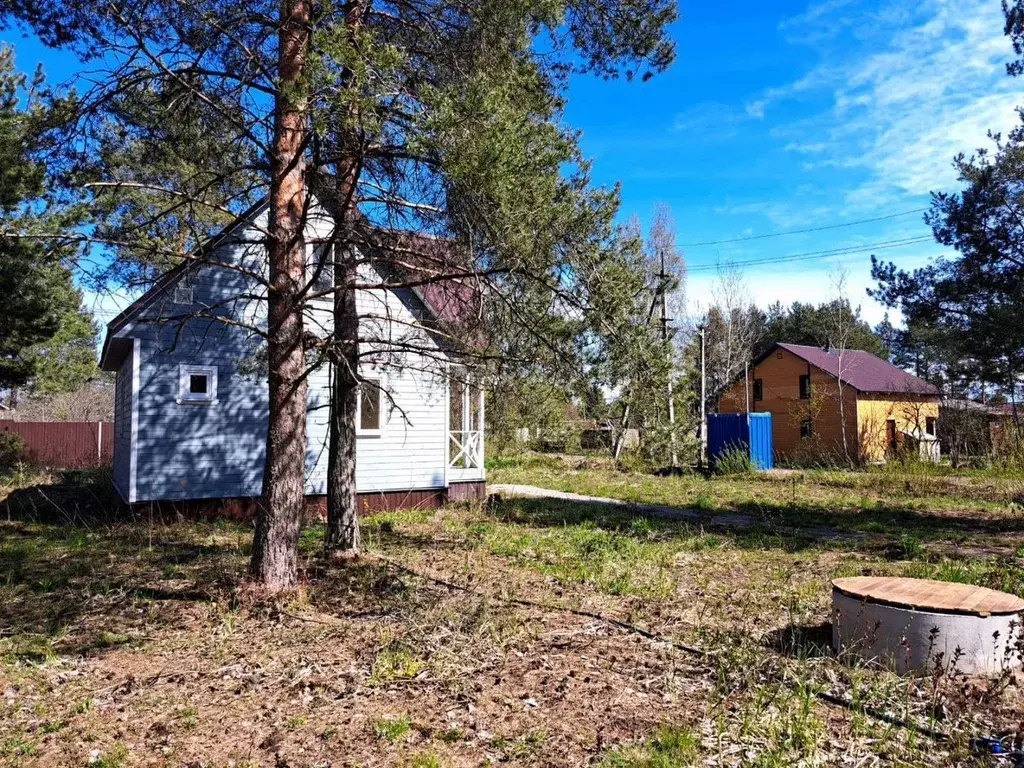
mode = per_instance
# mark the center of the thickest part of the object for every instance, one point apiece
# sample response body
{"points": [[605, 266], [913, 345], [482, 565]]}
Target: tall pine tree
{"points": [[436, 118], [41, 322]]}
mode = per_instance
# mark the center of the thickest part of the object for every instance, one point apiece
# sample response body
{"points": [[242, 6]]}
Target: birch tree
{"points": [[733, 328], [840, 331]]}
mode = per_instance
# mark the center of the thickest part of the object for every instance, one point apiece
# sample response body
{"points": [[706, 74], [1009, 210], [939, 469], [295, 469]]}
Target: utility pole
{"points": [[703, 399], [665, 335]]}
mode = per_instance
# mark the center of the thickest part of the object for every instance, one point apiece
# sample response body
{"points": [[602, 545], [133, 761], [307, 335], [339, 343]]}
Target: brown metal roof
{"points": [[929, 595], [863, 371]]}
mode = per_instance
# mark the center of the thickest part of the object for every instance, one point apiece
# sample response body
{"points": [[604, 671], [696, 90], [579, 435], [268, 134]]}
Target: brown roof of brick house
{"points": [[863, 371]]}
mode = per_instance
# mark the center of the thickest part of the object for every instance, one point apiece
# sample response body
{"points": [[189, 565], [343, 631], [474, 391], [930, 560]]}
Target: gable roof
{"points": [[168, 278], [862, 370], [453, 300], [445, 301]]}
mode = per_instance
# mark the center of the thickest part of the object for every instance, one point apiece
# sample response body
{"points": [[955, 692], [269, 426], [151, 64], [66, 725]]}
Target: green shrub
{"points": [[12, 449], [634, 462], [734, 460]]}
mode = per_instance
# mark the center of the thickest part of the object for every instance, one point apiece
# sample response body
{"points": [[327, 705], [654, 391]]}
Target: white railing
{"points": [[465, 449]]}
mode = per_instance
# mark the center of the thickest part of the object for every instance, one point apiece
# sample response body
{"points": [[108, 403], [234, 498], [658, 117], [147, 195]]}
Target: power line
{"points": [[849, 250], [801, 231]]}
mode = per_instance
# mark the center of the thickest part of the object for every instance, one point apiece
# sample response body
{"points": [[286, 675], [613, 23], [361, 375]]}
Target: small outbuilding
{"points": [[191, 398]]}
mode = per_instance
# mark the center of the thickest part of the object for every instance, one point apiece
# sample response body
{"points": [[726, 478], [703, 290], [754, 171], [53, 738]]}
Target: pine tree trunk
{"points": [[343, 536], [276, 540], [342, 508]]}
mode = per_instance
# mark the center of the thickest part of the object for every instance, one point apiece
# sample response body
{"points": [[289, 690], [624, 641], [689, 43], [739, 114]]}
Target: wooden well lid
{"points": [[929, 595]]}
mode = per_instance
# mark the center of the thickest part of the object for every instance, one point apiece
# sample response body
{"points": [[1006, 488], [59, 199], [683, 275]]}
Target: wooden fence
{"points": [[65, 444]]}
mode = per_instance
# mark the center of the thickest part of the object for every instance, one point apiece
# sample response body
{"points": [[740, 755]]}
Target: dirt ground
{"points": [[124, 644]]}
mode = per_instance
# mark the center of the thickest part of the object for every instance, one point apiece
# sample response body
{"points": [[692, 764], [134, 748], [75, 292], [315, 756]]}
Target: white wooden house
{"points": [[191, 398]]}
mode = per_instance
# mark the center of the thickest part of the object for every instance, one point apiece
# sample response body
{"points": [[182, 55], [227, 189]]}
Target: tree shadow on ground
{"points": [[802, 641], [66, 586], [892, 518], [75, 497], [759, 535], [793, 529], [75, 589]]}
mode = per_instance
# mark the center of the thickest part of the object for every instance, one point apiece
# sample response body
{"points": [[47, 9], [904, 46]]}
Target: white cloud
{"points": [[813, 281], [105, 306], [710, 121], [820, 21], [784, 284], [781, 214], [909, 84], [807, 148]]}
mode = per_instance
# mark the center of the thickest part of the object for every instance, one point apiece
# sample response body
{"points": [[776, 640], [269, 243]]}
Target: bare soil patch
{"points": [[128, 646]]}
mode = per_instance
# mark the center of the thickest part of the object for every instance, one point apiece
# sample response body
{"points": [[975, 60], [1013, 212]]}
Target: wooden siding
{"points": [[410, 450], [780, 376], [910, 412], [468, 491], [216, 450], [65, 444], [123, 427]]}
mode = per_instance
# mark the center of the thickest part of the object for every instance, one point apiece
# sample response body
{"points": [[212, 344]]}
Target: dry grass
{"points": [[133, 646]]}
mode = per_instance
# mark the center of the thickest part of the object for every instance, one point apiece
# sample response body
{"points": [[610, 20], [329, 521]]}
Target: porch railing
{"points": [[465, 449]]}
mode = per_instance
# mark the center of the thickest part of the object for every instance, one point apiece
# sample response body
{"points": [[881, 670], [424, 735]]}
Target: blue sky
{"points": [[786, 115]]}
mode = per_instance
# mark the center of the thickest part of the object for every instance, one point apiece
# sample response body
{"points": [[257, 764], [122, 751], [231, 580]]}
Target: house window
{"points": [[929, 425], [806, 429], [321, 268], [805, 387], [758, 390], [370, 411], [197, 384], [183, 293]]}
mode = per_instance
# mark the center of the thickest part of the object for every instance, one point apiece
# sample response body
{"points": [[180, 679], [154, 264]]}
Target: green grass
{"points": [[117, 757], [614, 562], [670, 747], [188, 717], [758, 599], [392, 729], [867, 502], [395, 661], [424, 760]]}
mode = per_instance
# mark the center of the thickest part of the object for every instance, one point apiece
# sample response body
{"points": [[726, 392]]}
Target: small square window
{"points": [[370, 413], [183, 293], [758, 390], [930, 425], [197, 384], [805, 387]]}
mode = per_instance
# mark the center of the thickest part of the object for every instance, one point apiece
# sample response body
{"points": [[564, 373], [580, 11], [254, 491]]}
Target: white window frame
{"points": [[185, 372], [382, 415], [183, 285]]}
